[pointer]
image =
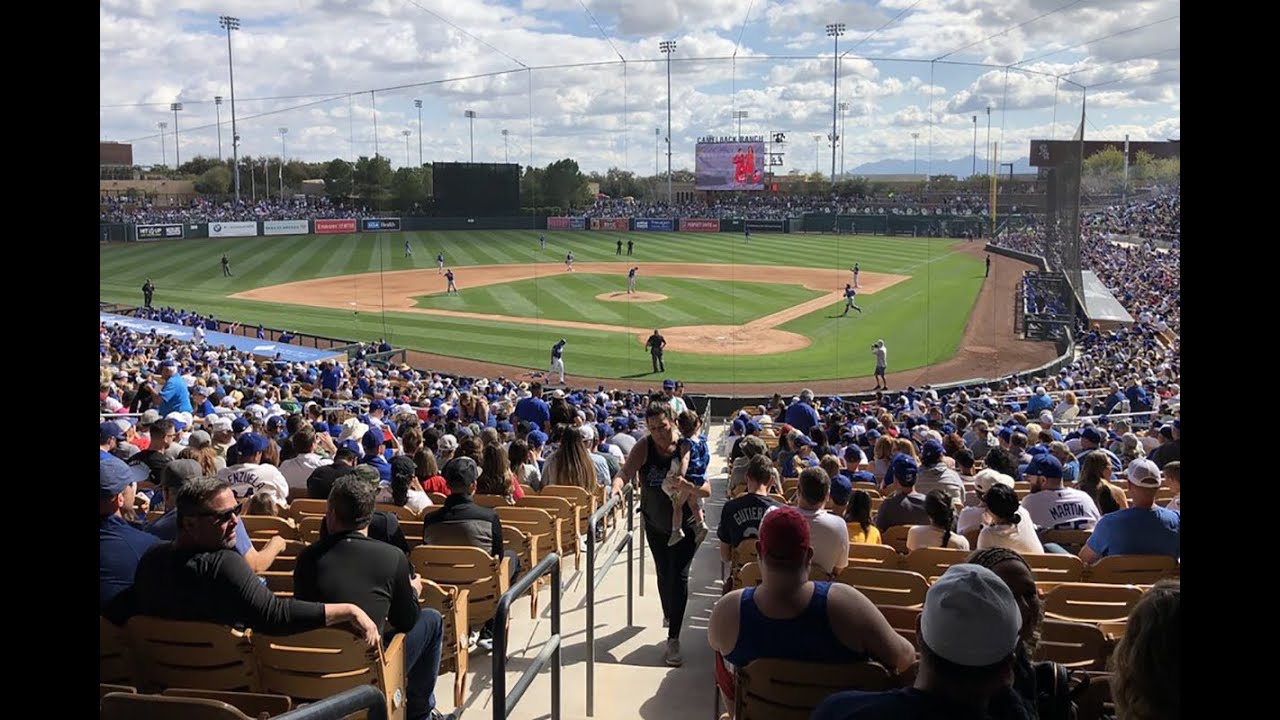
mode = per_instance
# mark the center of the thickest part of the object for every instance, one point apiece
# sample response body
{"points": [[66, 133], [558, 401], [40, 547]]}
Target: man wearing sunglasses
{"points": [[200, 576]]}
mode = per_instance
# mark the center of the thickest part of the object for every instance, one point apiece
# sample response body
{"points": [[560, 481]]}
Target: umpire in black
{"points": [[656, 343]]}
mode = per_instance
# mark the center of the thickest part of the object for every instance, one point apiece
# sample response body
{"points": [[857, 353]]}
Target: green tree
{"points": [[564, 184], [338, 179], [199, 165], [1103, 171], [408, 188], [373, 180], [214, 181]]}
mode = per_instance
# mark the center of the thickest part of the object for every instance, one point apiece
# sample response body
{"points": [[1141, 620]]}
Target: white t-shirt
{"points": [[829, 536], [623, 441], [1021, 538], [971, 518], [297, 469], [1175, 505], [417, 500], [248, 478], [927, 536], [881, 356], [1061, 509]]}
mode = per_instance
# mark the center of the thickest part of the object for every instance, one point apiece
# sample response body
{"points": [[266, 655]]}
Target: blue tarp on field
{"points": [[265, 348]]}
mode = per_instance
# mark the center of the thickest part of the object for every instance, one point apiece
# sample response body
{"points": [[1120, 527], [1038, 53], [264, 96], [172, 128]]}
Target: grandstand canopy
{"points": [[1100, 306]]}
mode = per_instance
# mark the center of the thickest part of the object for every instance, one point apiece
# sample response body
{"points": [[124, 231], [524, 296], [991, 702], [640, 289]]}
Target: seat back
{"points": [[874, 556], [308, 506], [1076, 645], [309, 528], [579, 498], [559, 508], [491, 501], [437, 499], [748, 576], [115, 662], [482, 575], [251, 704], [279, 582], [896, 537], [1055, 567], [1070, 540], [1091, 602], [401, 512], [451, 603], [130, 706], [313, 665], [268, 526], [886, 587], [178, 653], [932, 562], [1132, 569], [769, 689], [902, 620], [534, 523]]}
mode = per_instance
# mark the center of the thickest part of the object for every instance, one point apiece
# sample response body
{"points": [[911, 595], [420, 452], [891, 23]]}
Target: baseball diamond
{"points": [[731, 314]]}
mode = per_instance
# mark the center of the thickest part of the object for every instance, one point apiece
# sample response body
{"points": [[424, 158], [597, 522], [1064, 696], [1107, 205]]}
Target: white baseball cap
{"points": [[988, 478], [1143, 473], [970, 617]]}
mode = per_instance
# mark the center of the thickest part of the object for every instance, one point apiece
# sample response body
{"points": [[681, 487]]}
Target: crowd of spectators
{"points": [[760, 206], [201, 210]]}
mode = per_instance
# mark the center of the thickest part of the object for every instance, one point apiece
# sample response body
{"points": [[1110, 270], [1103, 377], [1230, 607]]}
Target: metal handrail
{"points": [[334, 707], [503, 703], [594, 580]]}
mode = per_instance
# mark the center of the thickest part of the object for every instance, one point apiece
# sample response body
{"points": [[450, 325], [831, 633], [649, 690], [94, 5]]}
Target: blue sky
{"points": [[320, 67]]}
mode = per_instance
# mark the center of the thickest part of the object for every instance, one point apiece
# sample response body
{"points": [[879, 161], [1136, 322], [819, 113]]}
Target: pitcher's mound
{"points": [[624, 296], [730, 340]]}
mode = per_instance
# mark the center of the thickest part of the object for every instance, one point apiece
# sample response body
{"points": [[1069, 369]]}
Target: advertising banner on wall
{"points": [[656, 224], [615, 224], [335, 227], [285, 227], [233, 229], [557, 223], [159, 232], [380, 224], [577, 223], [767, 225], [699, 225]]}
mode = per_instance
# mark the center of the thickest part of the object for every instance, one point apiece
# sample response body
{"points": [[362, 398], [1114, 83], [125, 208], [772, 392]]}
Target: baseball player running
{"points": [[568, 261], [849, 295], [631, 279], [448, 275], [557, 360]]}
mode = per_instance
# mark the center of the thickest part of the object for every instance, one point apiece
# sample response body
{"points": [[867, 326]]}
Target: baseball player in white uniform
{"points": [[855, 270], [557, 360], [631, 279]]}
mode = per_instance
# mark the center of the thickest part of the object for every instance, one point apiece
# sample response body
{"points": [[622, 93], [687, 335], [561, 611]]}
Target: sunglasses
{"points": [[224, 517]]}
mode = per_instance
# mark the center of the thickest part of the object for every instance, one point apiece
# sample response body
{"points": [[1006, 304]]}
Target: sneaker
{"points": [[676, 536], [671, 656], [700, 534], [485, 641], [473, 638], [437, 715]]}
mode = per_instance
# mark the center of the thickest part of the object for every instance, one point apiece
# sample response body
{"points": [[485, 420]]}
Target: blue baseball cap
{"points": [[753, 426], [668, 384], [1045, 466], [1092, 435], [114, 475], [903, 470], [240, 424], [1005, 433], [502, 426], [372, 439], [108, 430], [739, 427], [841, 489], [864, 476], [931, 452], [251, 443], [536, 438]]}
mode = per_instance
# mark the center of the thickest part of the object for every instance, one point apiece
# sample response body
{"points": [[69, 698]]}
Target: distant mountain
{"points": [[961, 168]]}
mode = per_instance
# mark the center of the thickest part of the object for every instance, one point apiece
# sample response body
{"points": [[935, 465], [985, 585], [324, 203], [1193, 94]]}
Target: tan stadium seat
{"points": [[115, 661], [130, 706], [1132, 569], [177, 653], [313, 665], [933, 562], [1091, 602], [267, 526], [567, 515], [485, 577], [896, 537], [886, 587], [251, 704], [902, 620], [875, 556], [1055, 567], [401, 512], [1076, 645], [451, 603], [769, 689]]}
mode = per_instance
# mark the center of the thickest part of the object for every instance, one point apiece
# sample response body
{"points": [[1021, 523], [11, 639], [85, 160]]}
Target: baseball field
{"points": [[768, 311]]}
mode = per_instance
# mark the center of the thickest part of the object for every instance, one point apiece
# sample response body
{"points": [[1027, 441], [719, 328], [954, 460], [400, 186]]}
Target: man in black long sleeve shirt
{"points": [[349, 566], [200, 576]]}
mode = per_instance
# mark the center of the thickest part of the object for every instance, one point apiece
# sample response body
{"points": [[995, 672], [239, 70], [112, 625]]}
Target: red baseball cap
{"points": [[784, 536]]}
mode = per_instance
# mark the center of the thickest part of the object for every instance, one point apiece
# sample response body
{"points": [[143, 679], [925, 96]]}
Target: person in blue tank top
{"points": [[789, 617], [690, 462]]}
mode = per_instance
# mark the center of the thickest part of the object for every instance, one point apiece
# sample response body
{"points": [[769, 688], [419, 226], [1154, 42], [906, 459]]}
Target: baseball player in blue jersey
{"points": [[631, 279], [448, 275], [557, 360], [849, 294], [440, 262]]}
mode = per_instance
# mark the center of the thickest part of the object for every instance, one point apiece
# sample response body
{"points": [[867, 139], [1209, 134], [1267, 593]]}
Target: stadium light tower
{"points": [[471, 116], [657, 134], [817, 149], [844, 108], [217, 108], [988, 141], [406, 134], [667, 47], [506, 157], [915, 136], [739, 115], [418, 104], [834, 31], [974, 171], [164, 160], [284, 157], [232, 23], [177, 154]]}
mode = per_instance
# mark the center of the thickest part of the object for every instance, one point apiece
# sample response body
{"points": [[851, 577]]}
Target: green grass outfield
{"points": [[921, 319]]}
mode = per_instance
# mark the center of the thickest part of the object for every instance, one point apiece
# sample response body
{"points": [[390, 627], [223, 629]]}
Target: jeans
{"points": [[657, 364], [1055, 548], [671, 562], [421, 662]]}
